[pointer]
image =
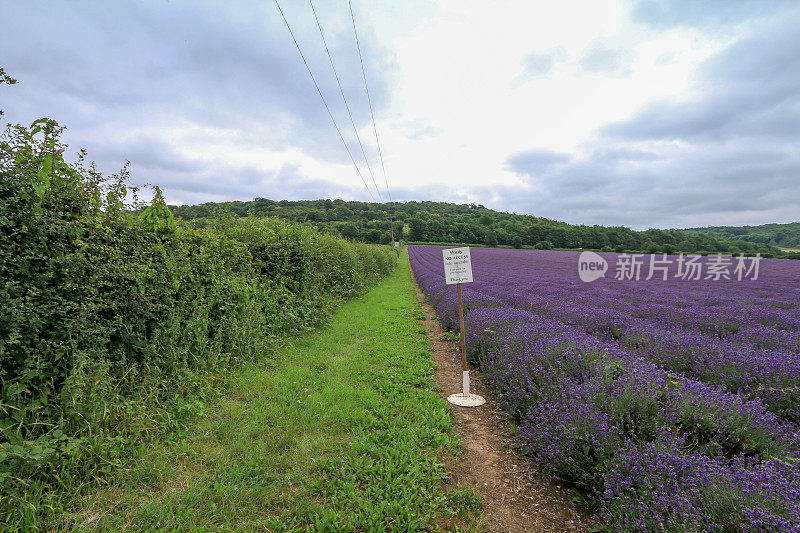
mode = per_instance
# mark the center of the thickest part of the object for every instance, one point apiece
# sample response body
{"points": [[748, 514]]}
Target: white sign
{"points": [[457, 265]]}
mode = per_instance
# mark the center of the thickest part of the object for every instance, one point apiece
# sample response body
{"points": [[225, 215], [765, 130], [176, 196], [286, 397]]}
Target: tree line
{"points": [[783, 235], [441, 222]]}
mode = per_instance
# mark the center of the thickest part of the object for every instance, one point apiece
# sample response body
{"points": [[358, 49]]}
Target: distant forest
{"points": [[439, 222], [783, 235]]}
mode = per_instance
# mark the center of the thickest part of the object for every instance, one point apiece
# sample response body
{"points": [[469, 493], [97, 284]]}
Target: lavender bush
{"points": [[674, 403]]}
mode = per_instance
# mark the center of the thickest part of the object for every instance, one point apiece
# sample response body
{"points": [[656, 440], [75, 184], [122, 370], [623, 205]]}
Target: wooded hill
{"points": [[783, 235], [440, 222]]}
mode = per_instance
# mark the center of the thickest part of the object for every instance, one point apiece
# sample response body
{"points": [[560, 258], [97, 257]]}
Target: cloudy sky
{"points": [[641, 113]]}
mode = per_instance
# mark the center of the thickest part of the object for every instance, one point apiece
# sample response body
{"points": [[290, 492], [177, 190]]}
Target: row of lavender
{"points": [[615, 382], [741, 335]]}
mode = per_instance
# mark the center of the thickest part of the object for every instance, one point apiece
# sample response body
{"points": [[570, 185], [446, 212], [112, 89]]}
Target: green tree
{"points": [[373, 236], [490, 238]]}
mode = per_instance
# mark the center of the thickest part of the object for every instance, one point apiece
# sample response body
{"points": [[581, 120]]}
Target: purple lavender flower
{"points": [[675, 403]]}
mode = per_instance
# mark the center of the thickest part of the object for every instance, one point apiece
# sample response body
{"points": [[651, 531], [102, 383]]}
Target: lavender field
{"points": [[672, 402]]}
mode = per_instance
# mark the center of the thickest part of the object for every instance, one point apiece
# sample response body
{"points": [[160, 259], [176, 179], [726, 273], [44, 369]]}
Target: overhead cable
{"points": [[325, 103]]}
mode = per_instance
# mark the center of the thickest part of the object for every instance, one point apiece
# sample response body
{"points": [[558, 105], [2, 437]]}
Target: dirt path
{"points": [[517, 497]]}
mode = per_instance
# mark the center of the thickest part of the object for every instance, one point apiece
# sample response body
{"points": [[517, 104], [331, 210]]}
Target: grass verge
{"points": [[342, 431]]}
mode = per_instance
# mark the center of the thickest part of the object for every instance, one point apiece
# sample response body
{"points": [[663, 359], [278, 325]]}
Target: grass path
{"points": [[340, 431]]}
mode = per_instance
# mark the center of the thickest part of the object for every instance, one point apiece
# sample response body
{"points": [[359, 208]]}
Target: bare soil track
{"points": [[516, 495]]}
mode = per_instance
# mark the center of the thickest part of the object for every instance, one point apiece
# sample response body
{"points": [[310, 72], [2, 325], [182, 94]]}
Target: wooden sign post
{"points": [[458, 270]]}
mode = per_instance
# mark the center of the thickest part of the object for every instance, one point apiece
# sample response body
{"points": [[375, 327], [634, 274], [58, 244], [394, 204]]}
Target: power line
{"points": [[344, 99], [369, 99], [324, 102], [372, 115]]}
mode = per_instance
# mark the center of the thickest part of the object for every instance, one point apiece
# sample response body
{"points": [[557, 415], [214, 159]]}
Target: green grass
{"points": [[340, 431]]}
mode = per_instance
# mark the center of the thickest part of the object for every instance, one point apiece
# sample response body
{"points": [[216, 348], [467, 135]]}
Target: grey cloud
{"points": [[670, 120], [624, 154], [245, 182], [748, 89], [535, 161], [728, 156], [159, 64], [538, 64], [705, 14], [731, 182], [674, 190], [121, 77], [598, 58], [148, 154]]}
